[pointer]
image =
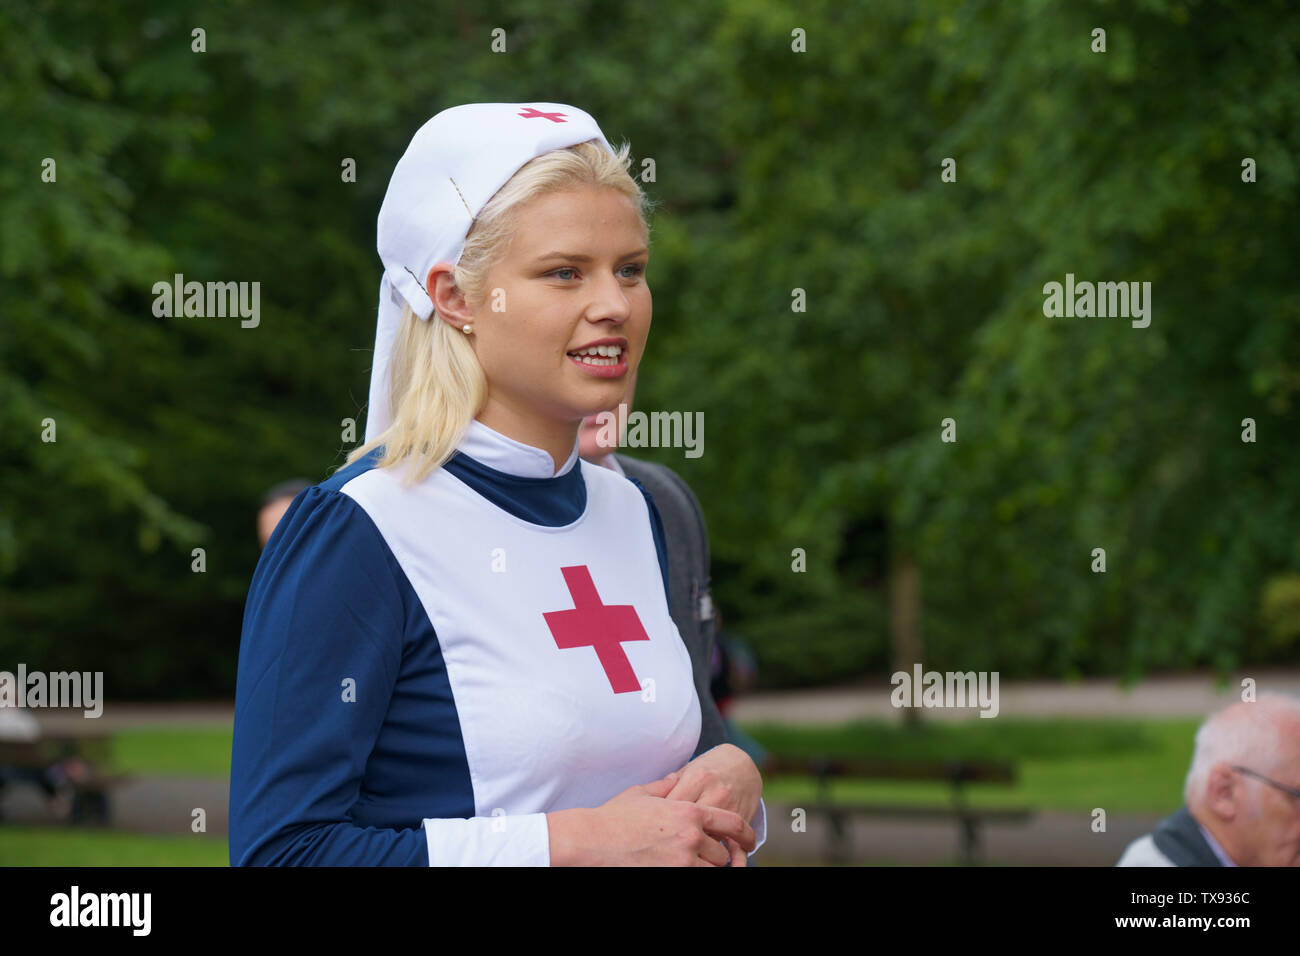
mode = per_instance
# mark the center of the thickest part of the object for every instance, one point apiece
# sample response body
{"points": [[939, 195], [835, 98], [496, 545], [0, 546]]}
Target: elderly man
{"points": [[1242, 793]]}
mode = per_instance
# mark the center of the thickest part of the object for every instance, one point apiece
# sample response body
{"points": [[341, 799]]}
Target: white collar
{"points": [[489, 447], [1219, 851]]}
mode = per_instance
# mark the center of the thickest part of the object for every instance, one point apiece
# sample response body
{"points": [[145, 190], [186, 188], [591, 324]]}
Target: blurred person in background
{"points": [[735, 671], [17, 725], [1242, 793], [56, 780], [687, 540], [274, 504]]}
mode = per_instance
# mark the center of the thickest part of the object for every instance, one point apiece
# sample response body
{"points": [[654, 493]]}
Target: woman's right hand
{"points": [[638, 827]]}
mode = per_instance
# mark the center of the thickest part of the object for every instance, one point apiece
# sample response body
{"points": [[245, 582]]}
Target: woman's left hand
{"points": [[724, 777]]}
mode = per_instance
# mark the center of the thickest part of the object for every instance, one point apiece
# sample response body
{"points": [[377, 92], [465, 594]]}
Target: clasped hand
{"points": [[724, 777], [698, 815]]}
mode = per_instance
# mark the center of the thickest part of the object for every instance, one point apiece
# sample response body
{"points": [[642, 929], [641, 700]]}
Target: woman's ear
{"points": [[448, 300]]}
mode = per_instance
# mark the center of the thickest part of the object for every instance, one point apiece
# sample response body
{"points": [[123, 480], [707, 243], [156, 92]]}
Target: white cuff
{"points": [[502, 840], [759, 822], [759, 825]]}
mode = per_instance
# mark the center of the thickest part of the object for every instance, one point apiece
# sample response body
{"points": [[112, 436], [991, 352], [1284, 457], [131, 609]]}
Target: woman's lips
{"points": [[606, 369]]}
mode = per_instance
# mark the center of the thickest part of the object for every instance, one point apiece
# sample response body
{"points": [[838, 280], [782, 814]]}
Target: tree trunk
{"points": [[905, 623]]}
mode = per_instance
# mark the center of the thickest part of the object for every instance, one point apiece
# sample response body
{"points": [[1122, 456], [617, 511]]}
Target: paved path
{"points": [[1168, 696], [1050, 839], [164, 805]]}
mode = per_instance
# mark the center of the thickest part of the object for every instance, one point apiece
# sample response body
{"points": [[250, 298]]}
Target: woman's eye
{"points": [[636, 268]]}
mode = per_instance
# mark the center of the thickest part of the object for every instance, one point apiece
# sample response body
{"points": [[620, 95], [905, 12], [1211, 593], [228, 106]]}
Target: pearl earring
{"points": [[467, 328]]}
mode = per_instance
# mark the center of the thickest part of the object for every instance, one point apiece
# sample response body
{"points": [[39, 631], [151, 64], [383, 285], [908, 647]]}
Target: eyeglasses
{"points": [[1293, 791]]}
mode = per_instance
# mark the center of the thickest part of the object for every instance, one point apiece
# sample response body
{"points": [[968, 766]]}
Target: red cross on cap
{"points": [[531, 113]]}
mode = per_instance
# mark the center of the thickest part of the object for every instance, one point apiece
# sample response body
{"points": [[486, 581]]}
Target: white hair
{"points": [[1249, 734]]}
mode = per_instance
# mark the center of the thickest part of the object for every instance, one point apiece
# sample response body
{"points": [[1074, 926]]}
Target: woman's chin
{"points": [[594, 421], [598, 403]]}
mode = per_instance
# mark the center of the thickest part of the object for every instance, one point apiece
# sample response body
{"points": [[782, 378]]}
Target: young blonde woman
{"points": [[457, 650]]}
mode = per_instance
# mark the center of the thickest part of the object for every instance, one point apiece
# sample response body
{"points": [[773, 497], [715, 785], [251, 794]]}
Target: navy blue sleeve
{"points": [[318, 660], [657, 528]]}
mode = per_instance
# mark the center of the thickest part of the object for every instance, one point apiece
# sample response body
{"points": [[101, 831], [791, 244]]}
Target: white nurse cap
{"points": [[454, 164]]}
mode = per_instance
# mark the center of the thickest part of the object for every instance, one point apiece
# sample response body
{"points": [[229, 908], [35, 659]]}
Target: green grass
{"points": [[173, 752], [1072, 765], [56, 846], [1069, 765]]}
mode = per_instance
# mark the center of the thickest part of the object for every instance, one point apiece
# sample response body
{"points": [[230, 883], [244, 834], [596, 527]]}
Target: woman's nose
{"points": [[610, 301]]}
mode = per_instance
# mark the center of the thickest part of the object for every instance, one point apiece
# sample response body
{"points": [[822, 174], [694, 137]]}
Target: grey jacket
{"points": [[1176, 841], [689, 600]]}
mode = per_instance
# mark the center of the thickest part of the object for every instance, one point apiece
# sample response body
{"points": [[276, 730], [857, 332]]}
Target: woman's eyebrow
{"points": [[575, 257]]}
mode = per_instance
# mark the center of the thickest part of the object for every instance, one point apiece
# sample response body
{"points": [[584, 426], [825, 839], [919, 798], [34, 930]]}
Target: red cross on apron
{"points": [[600, 626]]}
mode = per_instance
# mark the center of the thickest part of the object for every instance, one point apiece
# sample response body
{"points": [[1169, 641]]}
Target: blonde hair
{"points": [[437, 385]]}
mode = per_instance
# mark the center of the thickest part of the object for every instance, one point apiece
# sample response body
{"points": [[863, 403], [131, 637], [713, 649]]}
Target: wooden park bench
{"points": [[956, 773], [64, 763]]}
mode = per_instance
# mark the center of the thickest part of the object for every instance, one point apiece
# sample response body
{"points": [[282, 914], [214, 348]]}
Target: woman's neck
{"points": [[556, 438]]}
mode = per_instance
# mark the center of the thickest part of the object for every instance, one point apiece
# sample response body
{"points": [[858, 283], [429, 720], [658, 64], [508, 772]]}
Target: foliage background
{"points": [[775, 171]]}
